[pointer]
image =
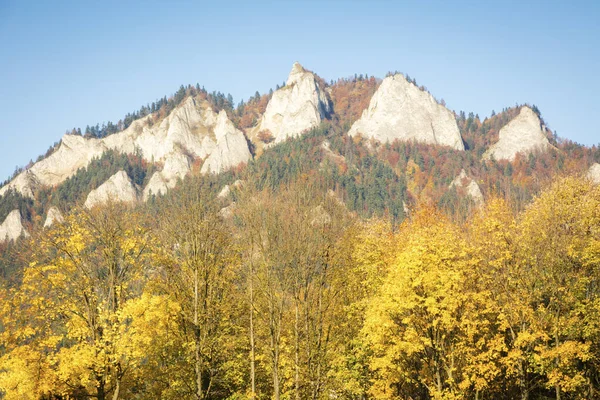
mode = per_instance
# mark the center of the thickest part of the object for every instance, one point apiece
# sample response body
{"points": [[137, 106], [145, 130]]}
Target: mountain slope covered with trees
{"points": [[327, 266]]}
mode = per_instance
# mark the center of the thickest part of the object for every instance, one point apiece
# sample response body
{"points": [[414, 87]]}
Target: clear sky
{"points": [[71, 64]]}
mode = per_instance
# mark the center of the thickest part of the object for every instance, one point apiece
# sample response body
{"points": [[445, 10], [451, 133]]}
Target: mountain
{"points": [[523, 134], [306, 127], [399, 110], [299, 262], [295, 108], [191, 128]]}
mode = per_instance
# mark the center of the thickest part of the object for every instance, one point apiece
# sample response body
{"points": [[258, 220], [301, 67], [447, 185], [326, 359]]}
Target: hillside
{"points": [[172, 137], [353, 239]]}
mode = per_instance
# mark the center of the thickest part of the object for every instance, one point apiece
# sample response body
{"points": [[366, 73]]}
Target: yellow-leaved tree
{"points": [[427, 325], [66, 334]]}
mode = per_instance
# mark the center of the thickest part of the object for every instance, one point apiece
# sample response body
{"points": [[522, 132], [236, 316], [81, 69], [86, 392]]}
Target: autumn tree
{"points": [[74, 289]]}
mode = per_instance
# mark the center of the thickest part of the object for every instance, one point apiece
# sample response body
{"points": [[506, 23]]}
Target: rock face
{"points": [[117, 188], [319, 217], [593, 173], [400, 110], [25, 183], [54, 216], [176, 167], [469, 185], [298, 106], [224, 193], [191, 128], [523, 134], [12, 228], [231, 147]]}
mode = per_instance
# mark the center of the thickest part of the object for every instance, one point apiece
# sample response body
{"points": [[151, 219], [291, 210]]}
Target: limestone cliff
{"points": [[54, 216], [295, 108], [523, 134], [176, 167], [25, 183], [192, 128], [593, 173], [12, 227], [471, 188], [117, 188], [231, 147], [400, 110]]}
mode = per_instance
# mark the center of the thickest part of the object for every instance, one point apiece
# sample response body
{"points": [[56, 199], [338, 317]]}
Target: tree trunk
{"points": [[297, 352], [557, 343], [252, 351], [101, 391], [274, 328], [198, 366], [117, 389]]}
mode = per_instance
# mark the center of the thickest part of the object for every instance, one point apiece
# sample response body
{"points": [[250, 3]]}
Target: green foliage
{"points": [[76, 188], [12, 200]]}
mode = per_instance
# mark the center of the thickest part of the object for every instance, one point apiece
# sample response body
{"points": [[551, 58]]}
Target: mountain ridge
{"points": [[195, 139]]}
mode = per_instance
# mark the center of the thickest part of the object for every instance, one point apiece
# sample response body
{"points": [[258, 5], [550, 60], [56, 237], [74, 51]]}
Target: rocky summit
{"points": [[399, 110], [523, 134], [295, 108], [191, 128]]}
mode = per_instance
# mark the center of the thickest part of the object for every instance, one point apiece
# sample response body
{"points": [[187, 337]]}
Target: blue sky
{"points": [[71, 64]]}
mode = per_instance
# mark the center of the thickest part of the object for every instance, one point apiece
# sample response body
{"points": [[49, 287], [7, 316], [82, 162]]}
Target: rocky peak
{"points": [[117, 188], [295, 108], [523, 134], [53, 215], [471, 188], [12, 227], [191, 128], [296, 74], [400, 110], [593, 173], [231, 146]]}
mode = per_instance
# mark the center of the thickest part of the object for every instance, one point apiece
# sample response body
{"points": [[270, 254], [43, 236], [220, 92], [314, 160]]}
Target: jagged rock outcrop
{"points": [[226, 190], [12, 227], [53, 216], [176, 167], [593, 173], [192, 128], [224, 193], [24, 183], [319, 217], [73, 153], [470, 187], [297, 107], [117, 188], [326, 148], [231, 147], [523, 134], [400, 110], [227, 212]]}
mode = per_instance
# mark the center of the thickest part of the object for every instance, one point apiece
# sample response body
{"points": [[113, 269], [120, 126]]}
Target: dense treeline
{"points": [[157, 109], [294, 297]]}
